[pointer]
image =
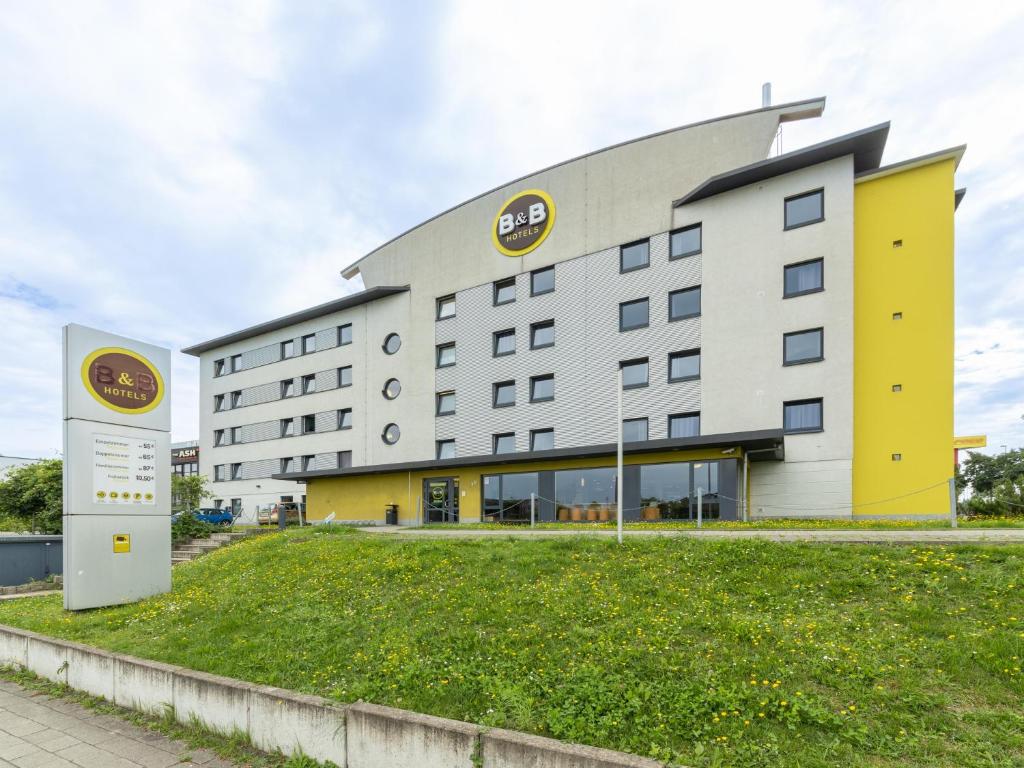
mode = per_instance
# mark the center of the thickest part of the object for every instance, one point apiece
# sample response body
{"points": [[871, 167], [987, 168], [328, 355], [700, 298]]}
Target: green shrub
{"points": [[188, 527]]}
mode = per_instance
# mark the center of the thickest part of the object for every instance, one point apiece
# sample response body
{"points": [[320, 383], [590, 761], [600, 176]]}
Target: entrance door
{"points": [[441, 500]]}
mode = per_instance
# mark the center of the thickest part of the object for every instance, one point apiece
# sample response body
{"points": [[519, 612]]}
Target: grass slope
{"points": [[705, 653]]}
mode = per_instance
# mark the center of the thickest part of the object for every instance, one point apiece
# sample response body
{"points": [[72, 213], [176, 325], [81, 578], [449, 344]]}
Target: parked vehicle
{"points": [[211, 515], [270, 515]]}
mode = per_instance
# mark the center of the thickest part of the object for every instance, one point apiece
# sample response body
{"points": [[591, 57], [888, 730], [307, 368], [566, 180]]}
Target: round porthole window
{"points": [[391, 434], [392, 389], [392, 343]]}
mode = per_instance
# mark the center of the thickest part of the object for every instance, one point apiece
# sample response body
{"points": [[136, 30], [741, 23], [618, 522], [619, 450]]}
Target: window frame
{"points": [[287, 465], [496, 288], [311, 337], [236, 470], [218, 438], [786, 226], [695, 352], [302, 424], [437, 403], [287, 388], [220, 368], [439, 303], [685, 415], [308, 462], [678, 230], [647, 428], [282, 433], [542, 324], [236, 363], [494, 442], [341, 334], [635, 361], [700, 303], [219, 402], [341, 376], [533, 383], [544, 431], [340, 461], [494, 393], [285, 346], [505, 332], [794, 265], [437, 449], [821, 345], [437, 354], [805, 401], [236, 399], [384, 344], [343, 415], [307, 379], [535, 272], [622, 250], [384, 434], [623, 304]]}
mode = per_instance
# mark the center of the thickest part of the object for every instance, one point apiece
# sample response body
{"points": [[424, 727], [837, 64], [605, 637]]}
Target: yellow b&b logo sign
{"points": [[122, 380], [523, 222]]}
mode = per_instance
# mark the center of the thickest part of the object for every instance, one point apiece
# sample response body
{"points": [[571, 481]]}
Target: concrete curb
{"points": [[355, 736]]}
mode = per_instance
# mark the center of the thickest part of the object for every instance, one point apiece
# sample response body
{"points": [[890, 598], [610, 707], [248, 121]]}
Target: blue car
{"points": [[209, 515]]}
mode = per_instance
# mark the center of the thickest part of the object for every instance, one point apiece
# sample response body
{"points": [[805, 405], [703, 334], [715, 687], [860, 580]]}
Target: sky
{"points": [[174, 171]]}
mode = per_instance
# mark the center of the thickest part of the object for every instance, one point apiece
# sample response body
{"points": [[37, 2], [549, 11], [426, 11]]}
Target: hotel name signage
{"points": [[523, 222]]}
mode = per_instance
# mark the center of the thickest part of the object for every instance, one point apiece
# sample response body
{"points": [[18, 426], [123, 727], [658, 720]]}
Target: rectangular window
{"points": [[287, 349], [287, 465], [634, 314], [542, 439], [344, 459], [635, 256], [345, 418], [287, 427], [542, 281], [236, 398], [803, 347], [219, 368], [504, 442], [585, 495], [218, 437], [445, 403], [808, 208], [218, 473], [634, 430], [236, 435], [685, 242], [445, 355], [236, 363], [309, 343], [504, 394], [287, 388], [805, 277], [542, 334], [684, 425], [504, 342], [236, 471], [802, 416], [445, 449], [683, 304], [344, 334], [505, 291], [684, 366], [445, 307], [308, 424], [308, 463], [309, 384], [542, 388], [506, 498], [218, 402], [634, 373], [345, 376]]}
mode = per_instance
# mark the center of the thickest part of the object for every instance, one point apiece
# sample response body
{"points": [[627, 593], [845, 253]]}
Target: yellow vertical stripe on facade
{"points": [[913, 277]]}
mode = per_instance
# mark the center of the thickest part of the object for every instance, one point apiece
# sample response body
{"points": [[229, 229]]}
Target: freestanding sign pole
{"points": [[117, 469], [618, 476]]}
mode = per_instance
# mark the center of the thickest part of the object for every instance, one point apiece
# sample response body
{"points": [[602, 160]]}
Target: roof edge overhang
{"points": [[346, 302], [866, 146], [955, 154], [788, 112], [767, 444]]}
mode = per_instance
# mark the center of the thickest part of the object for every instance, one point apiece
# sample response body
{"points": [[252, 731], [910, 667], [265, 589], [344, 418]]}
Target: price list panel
{"points": [[124, 470]]}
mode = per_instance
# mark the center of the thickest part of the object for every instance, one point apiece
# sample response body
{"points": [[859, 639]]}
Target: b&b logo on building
{"points": [[523, 222]]}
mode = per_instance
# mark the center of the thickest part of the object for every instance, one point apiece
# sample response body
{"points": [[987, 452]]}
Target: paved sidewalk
{"points": [[19, 595], [37, 731], [849, 536]]}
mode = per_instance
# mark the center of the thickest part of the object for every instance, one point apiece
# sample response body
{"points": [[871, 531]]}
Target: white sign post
{"points": [[117, 469]]}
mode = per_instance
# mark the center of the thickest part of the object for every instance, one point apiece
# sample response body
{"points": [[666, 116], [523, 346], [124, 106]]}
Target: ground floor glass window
{"points": [[507, 497]]}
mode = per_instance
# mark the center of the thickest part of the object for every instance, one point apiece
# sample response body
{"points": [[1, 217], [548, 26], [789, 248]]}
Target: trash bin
{"points": [[391, 514]]}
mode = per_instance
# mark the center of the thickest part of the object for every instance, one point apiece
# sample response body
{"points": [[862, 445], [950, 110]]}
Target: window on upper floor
{"points": [[219, 368], [236, 398], [444, 403], [683, 304], [803, 346], [309, 384], [684, 366], [685, 242], [392, 343], [503, 442], [287, 465], [542, 439], [804, 209], [542, 334], [345, 376], [344, 334], [345, 418], [236, 471], [802, 416], [445, 355], [542, 281], [236, 363], [236, 435], [309, 424], [504, 394], [802, 278], [219, 403], [343, 460], [287, 388], [287, 349], [504, 291], [308, 343], [445, 449], [634, 430], [634, 256], [634, 314], [542, 388], [504, 343], [445, 307], [219, 437], [634, 373], [287, 427], [218, 473], [684, 424], [308, 463]]}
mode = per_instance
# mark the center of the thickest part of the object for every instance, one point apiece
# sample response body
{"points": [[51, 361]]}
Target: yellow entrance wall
{"points": [[364, 497], [916, 206]]}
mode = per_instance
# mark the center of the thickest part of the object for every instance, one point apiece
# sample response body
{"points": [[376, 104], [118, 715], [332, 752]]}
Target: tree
{"points": [[996, 482], [188, 491], [35, 493]]}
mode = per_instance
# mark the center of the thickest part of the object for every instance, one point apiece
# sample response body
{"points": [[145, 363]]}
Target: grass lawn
{"points": [[708, 653], [770, 524]]}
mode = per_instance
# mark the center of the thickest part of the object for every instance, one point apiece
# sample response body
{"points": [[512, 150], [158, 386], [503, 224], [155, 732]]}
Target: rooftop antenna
{"points": [[766, 101]]}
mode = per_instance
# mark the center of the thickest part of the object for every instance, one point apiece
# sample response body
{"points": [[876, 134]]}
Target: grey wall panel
{"points": [[268, 353], [326, 421], [264, 430]]}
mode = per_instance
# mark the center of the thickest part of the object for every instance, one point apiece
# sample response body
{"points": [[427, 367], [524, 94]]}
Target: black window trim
{"points": [[340, 331], [805, 401], [700, 248], [437, 354], [809, 290], [497, 285], [541, 431], [341, 418], [541, 377], [494, 342], [384, 344], [541, 324], [821, 357], [437, 307], [694, 352], [645, 419], [691, 315], [682, 415], [534, 272], [786, 227], [494, 442], [438, 444], [494, 393], [635, 327], [636, 361], [624, 246], [340, 369], [437, 403]]}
